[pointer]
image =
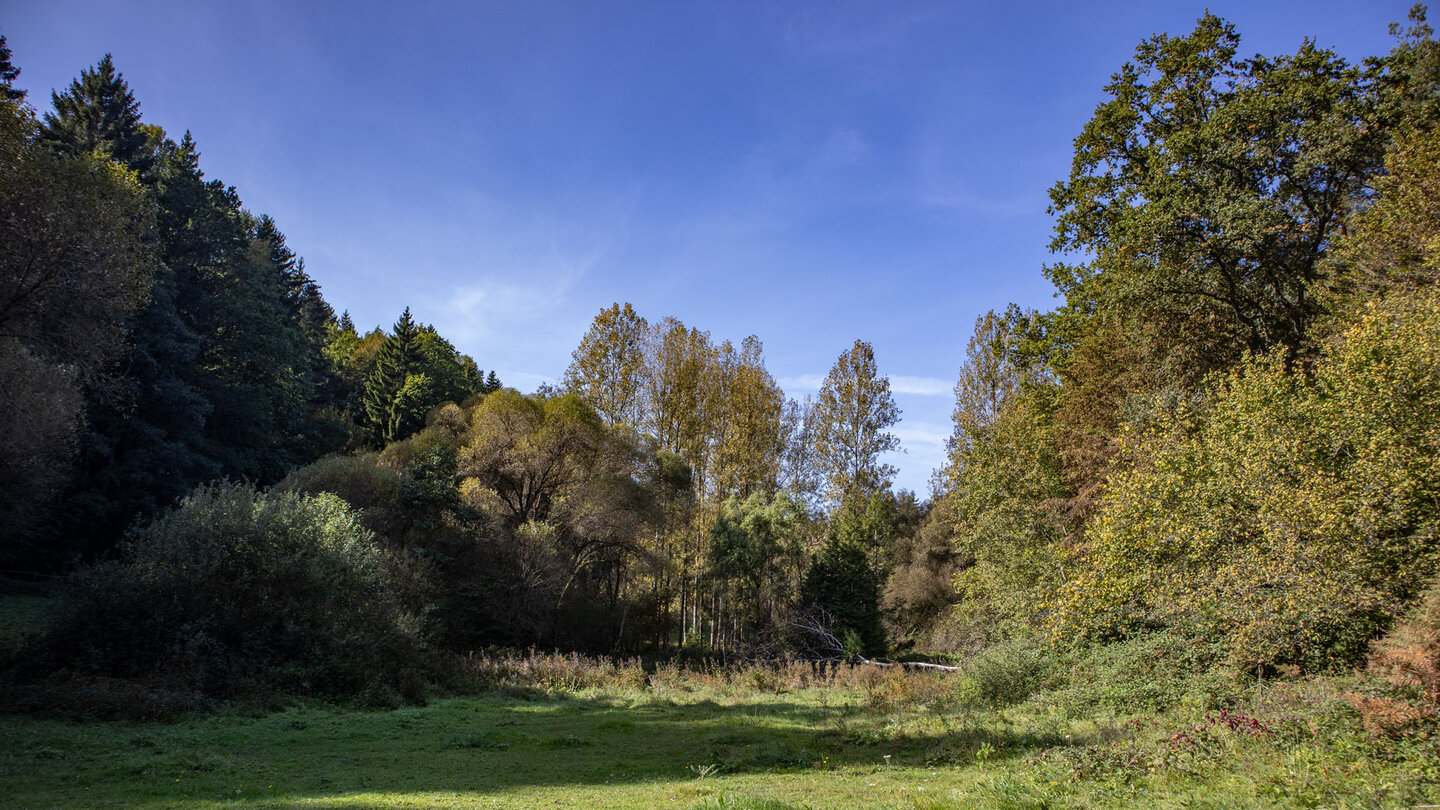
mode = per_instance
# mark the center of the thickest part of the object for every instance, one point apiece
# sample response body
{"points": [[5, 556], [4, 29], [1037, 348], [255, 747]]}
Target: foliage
{"points": [[1009, 672], [8, 74], [607, 368], [73, 266], [235, 590], [99, 114], [1292, 518], [920, 590], [1395, 244], [841, 582], [1002, 481], [372, 490], [1208, 187], [853, 413], [756, 559]]}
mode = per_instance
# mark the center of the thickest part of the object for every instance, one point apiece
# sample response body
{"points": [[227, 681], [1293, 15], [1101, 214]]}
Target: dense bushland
{"points": [[235, 593]]}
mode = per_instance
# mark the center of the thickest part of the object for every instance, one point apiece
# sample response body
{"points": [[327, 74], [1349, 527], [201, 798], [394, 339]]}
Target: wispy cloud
{"points": [[803, 382], [899, 384], [923, 386], [833, 31], [922, 435]]}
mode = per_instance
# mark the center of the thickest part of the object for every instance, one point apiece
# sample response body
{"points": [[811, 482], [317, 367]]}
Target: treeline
{"points": [[1223, 446], [161, 340], [155, 335], [1227, 434], [667, 496]]}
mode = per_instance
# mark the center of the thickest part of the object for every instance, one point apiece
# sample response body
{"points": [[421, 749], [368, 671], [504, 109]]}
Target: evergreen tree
{"points": [[100, 114], [398, 358], [841, 582], [8, 74]]}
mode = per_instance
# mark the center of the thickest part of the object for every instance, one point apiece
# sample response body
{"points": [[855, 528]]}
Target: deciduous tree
{"points": [[853, 414]]}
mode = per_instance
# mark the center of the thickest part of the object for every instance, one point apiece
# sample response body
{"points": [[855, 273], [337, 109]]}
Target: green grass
{"points": [[22, 615], [733, 740], [710, 743]]}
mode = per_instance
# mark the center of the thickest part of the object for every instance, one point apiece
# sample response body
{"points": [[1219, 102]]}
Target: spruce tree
{"points": [[8, 74], [841, 581], [398, 358], [100, 114]]}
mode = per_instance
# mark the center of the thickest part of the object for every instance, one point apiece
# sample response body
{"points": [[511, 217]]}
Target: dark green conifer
{"points": [[100, 114], [841, 581], [8, 74], [399, 357]]}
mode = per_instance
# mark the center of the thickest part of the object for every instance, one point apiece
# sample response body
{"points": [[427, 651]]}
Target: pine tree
{"points": [[841, 581], [100, 114], [8, 74], [398, 358]]}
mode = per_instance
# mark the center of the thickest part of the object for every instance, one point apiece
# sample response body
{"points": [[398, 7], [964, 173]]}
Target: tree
{"points": [[798, 473], [8, 74], [565, 499], [750, 434], [73, 267], [398, 358], [1207, 188], [607, 369], [73, 263], [1290, 518], [679, 386], [841, 582], [852, 415], [755, 559], [98, 113], [1395, 244], [1000, 494]]}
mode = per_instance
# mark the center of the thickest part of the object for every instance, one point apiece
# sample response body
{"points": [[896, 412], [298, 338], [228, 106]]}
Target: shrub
{"points": [[1151, 672], [1405, 666], [371, 488], [1009, 672], [1292, 518], [238, 589]]}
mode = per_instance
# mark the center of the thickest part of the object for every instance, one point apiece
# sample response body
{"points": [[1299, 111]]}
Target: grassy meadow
{"points": [[578, 735]]}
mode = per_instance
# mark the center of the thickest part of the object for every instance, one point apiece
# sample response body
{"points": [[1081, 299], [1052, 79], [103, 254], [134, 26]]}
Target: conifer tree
{"points": [[100, 114], [842, 583], [398, 358], [8, 74]]}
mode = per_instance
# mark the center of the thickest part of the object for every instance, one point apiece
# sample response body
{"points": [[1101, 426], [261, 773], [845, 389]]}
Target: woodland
{"points": [[1218, 456]]}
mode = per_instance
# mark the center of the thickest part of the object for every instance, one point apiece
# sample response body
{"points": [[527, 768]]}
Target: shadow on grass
{"points": [[489, 745]]}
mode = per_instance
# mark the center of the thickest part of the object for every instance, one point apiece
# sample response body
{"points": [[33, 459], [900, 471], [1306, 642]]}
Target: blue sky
{"points": [[809, 172]]}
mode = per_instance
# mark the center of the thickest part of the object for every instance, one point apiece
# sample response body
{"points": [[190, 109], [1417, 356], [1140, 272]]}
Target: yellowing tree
{"points": [[853, 414], [607, 369]]}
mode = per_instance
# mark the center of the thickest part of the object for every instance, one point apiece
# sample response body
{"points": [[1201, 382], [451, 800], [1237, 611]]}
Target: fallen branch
{"points": [[914, 664]]}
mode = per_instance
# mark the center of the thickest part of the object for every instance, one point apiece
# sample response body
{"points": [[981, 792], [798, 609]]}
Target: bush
{"points": [[1150, 673], [369, 487], [236, 589], [1292, 518], [1009, 672]]}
